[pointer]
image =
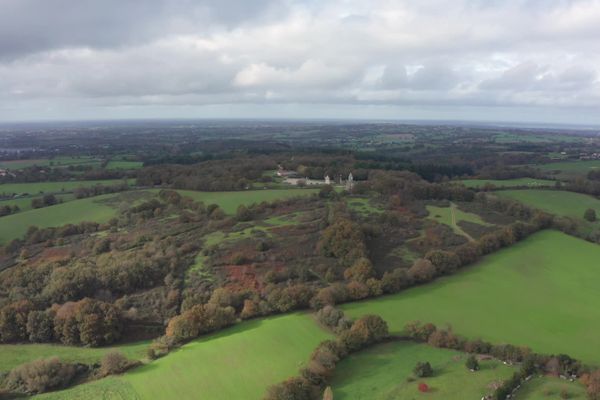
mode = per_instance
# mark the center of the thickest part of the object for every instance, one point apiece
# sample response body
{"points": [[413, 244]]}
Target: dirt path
{"points": [[455, 225]]}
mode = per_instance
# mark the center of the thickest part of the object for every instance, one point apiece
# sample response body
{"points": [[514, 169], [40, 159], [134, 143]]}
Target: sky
{"points": [[479, 60]]}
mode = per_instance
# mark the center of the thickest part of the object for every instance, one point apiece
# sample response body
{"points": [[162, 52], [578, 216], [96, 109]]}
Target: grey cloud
{"points": [[28, 26]]}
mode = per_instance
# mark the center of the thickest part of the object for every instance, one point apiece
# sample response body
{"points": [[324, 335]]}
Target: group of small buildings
{"points": [[293, 178]]}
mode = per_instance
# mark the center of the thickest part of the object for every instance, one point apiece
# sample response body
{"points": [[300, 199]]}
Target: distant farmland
{"points": [[530, 182]]}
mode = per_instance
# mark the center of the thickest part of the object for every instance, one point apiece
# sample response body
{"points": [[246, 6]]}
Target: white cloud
{"points": [[465, 54]]}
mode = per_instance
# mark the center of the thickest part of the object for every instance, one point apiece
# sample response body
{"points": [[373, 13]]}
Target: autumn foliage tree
{"points": [[343, 240], [200, 319]]}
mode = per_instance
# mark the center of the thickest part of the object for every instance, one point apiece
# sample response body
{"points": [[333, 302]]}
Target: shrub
{"points": [[114, 362], [472, 364], [292, 389], [40, 376], [590, 215], [423, 370]]}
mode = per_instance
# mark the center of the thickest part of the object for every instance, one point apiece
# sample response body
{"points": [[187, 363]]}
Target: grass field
{"points": [[570, 169], [55, 162], [12, 355], [475, 183], [238, 363], [452, 215], [551, 388], [73, 212], [54, 187], [543, 290], [381, 372], [24, 203], [230, 201], [562, 203], [119, 164]]}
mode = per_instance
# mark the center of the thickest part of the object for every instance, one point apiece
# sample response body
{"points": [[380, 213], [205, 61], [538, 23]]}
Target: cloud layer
{"points": [[465, 59]]}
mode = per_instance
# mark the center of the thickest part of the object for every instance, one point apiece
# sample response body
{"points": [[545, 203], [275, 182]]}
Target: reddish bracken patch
{"points": [[53, 254], [423, 387], [242, 276]]}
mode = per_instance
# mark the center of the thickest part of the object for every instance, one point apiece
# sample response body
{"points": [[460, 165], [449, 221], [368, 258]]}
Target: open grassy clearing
{"points": [[383, 372], [570, 169], [452, 215], [73, 212], [16, 354], [562, 203], [363, 206], [551, 388], [120, 164], [531, 182], [55, 187], [237, 363], [543, 291], [230, 201]]}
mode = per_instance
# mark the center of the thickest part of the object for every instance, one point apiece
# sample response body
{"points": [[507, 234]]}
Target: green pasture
{"points": [[570, 169], [12, 355], [240, 362], [73, 212], [54, 187], [541, 292], [530, 182], [63, 161], [385, 372], [562, 203], [121, 164]]}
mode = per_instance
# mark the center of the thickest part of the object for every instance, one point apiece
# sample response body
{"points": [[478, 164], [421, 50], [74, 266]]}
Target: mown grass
{"points": [[540, 293], [562, 203], [237, 363], [12, 355], [385, 372], [230, 201], [73, 212], [54, 187], [530, 182]]}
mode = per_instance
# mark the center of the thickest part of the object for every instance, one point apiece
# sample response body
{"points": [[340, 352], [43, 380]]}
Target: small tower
{"points": [[327, 180], [350, 182]]}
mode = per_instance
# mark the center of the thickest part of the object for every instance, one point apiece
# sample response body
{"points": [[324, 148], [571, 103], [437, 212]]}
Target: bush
{"points": [[590, 215], [292, 389], [40, 376], [423, 370], [472, 363], [114, 362]]}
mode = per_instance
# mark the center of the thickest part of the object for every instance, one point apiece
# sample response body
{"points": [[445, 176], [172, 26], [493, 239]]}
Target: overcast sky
{"points": [[494, 60]]}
